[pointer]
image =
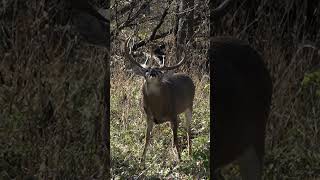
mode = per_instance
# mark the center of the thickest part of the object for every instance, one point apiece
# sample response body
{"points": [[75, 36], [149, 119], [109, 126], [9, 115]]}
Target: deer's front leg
{"points": [[147, 138], [188, 115], [174, 126]]}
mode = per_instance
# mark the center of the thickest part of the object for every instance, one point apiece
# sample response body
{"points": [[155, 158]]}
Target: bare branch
{"points": [[85, 6], [222, 9], [164, 14], [130, 19], [156, 37], [125, 9]]}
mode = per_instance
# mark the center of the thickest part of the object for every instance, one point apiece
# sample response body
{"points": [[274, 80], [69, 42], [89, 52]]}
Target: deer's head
{"points": [[151, 74]]}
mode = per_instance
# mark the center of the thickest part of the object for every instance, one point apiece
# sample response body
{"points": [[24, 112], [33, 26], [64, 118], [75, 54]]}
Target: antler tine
{"points": [[129, 55], [146, 61], [163, 58], [157, 60], [173, 67]]}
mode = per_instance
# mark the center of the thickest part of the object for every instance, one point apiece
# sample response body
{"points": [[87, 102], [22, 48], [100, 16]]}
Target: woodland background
{"points": [[53, 90]]}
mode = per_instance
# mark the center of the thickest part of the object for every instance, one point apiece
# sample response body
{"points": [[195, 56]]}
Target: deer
{"points": [[242, 93], [241, 105], [165, 95]]}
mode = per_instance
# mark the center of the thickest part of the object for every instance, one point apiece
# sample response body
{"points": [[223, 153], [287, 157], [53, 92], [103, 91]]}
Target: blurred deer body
{"points": [[165, 95], [242, 91], [242, 99]]}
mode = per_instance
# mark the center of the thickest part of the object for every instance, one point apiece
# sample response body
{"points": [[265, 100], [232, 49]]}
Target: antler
{"points": [[164, 67], [142, 66], [163, 58], [158, 60], [129, 55]]}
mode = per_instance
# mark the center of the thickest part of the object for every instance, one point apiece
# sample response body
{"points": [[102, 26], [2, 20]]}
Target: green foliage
{"points": [[312, 80]]}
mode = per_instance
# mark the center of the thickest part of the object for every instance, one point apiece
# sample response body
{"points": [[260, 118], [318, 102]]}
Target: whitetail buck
{"points": [[242, 91], [165, 96]]}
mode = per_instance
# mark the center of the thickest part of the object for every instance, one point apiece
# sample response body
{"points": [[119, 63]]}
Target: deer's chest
{"points": [[157, 105]]}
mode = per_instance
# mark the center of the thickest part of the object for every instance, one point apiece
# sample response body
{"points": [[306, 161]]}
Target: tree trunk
{"points": [[185, 25]]}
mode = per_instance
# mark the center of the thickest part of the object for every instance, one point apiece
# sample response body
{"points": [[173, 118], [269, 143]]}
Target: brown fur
{"points": [[175, 96], [164, 100]]}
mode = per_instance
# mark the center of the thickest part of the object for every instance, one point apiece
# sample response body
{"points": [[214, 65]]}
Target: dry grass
{"points": [[50, 99], [51, 92]]}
